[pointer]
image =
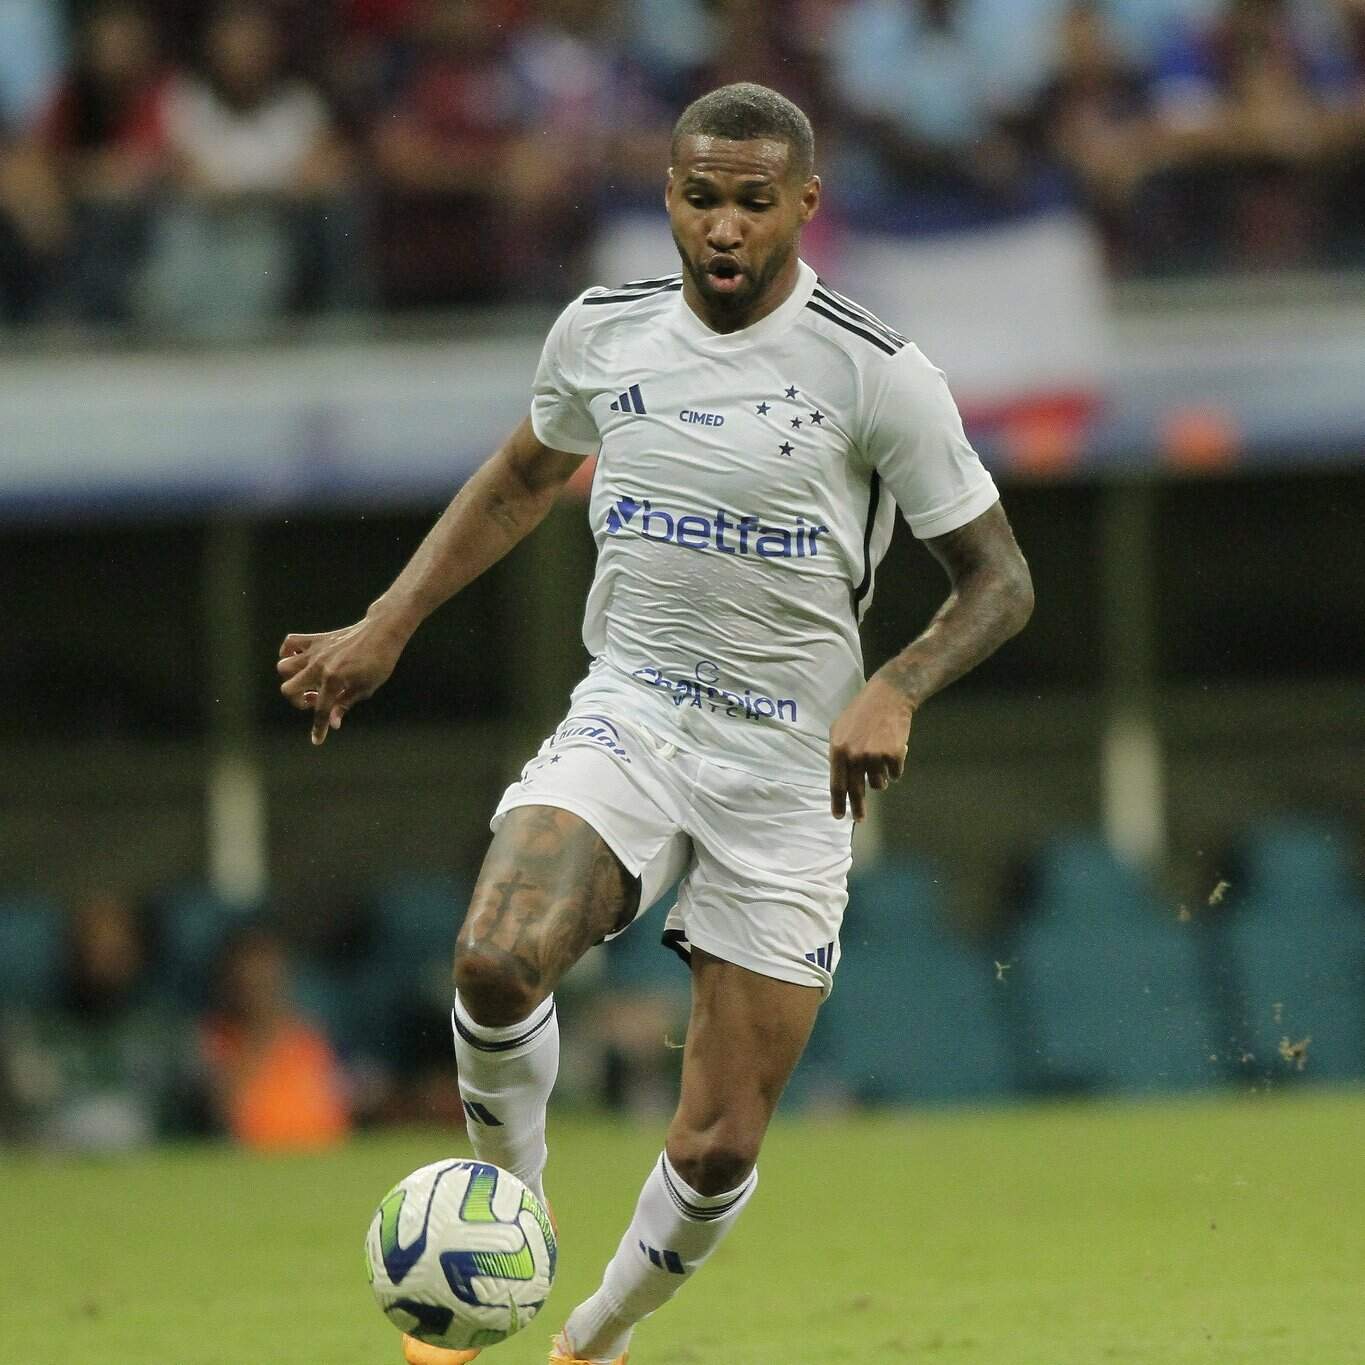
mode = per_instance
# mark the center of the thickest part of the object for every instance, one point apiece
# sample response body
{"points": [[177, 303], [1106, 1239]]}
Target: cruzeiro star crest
{"points": [[792, 414]]}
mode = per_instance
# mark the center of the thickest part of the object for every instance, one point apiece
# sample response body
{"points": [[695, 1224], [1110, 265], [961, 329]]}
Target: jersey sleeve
{"points": [[559, 408], [912, 435]]}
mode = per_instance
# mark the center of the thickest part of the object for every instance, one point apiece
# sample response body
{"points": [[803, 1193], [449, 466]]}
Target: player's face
{"points": [[736, 212]]}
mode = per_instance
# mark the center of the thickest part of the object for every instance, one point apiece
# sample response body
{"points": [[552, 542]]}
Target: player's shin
{"points": [[506, 1075], [674, 1230]]}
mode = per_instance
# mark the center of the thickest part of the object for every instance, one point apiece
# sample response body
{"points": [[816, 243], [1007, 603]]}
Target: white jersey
{"points": [[745, 492]]}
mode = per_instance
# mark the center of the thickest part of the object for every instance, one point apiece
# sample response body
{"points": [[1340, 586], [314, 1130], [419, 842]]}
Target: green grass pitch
{"points": [[1209, 1231]]}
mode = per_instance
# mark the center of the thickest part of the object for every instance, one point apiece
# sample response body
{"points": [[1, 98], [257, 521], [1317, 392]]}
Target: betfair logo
{"points": [[725, 533]]}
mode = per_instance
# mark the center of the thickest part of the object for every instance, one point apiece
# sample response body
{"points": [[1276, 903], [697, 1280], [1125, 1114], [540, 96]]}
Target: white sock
{"points": [[674, 1230], [506, 1075]]}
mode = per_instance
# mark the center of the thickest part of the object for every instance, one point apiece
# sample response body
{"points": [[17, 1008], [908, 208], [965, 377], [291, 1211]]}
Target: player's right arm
{"points": [[505, 500]]}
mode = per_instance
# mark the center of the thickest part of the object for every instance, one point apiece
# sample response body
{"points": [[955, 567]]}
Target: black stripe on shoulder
{"points": [[619, 297], [858, 314], [649, 284], [889, 347]]}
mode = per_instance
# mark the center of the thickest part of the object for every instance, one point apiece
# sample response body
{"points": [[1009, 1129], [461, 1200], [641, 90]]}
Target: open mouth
{"points": [[725, 274]]}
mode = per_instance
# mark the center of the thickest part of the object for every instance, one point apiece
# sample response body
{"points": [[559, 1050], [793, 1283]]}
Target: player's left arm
{"points": [[990, 598]]}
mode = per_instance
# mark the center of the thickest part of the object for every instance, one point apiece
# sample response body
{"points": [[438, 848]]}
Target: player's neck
{"points": [[724, 320]]}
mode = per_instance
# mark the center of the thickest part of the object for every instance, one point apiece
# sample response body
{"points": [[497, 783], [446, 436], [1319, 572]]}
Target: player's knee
{"points": [[713, 1163], [494, 992]]}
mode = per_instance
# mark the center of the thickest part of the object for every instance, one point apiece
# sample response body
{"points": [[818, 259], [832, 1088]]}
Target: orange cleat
{"points": [[419, 1353], [559, 1355]]}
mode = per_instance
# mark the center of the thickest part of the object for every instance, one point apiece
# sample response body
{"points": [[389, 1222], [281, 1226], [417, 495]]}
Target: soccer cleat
{"points": [[419, 1353], [559, 1354]]}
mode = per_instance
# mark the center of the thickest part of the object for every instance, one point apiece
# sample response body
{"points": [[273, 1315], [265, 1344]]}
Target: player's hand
{"points": [[329, 673], [867, 746]]}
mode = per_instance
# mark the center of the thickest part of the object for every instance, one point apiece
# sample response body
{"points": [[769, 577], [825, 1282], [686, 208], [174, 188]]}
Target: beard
{"points": [[750, 292]]}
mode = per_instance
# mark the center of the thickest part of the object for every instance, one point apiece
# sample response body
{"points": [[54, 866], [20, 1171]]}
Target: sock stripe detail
{"points": [[664, 1260], [506, 1045], [480, 1113], [696, 1212]]}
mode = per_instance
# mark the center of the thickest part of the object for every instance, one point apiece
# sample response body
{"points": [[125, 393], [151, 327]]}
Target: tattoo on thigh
{"points": [[550, 888]]}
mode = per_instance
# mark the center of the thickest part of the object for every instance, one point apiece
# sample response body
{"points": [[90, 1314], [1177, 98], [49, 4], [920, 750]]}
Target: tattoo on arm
{"points": [[991, 599]]}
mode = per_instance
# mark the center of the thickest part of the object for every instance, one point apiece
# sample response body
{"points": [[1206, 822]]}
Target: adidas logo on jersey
{"points": [[630, 401]]}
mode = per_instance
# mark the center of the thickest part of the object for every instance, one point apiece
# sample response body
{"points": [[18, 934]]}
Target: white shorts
{"points": [[764, 865]]}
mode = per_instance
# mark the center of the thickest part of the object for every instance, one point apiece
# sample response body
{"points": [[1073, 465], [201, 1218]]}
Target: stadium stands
{"points": [[193, 924], [30, 951], [241, 159], [1113, 981], [918, 1015], [1293, 937], [1098, 986]]}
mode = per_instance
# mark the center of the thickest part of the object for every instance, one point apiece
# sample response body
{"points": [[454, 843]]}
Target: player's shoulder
{"points": [[624, 303], [857, 331], [632, 291]]}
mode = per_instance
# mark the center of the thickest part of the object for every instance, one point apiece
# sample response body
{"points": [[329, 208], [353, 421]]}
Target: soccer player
{"points": [[755, 432]]}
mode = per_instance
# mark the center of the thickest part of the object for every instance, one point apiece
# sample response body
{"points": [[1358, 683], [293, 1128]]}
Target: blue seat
{"points": [[417, 917], [916, 1013], [193, 922], [31, 942], [373, 1006], [1116, 999], [355, 1007], [1295, 934]]}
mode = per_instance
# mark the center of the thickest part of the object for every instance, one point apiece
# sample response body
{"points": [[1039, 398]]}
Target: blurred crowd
{"points": [[113, 1059], [125, 1022], [194, 168]]}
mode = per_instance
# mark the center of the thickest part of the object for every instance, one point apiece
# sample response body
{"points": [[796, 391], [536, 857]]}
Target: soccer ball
{"points": [[460, 1254]]}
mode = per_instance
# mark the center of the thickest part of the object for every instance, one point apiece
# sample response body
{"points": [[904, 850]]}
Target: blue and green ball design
{"points": [[460, 1254]]}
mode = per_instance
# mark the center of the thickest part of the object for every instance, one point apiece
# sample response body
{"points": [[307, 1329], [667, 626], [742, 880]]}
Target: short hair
{"points": [[744, 111]]}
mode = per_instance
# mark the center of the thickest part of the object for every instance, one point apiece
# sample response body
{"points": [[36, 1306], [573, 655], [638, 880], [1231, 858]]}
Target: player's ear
{"points": [[668, 190], [810, 199]]}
